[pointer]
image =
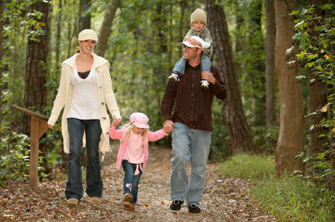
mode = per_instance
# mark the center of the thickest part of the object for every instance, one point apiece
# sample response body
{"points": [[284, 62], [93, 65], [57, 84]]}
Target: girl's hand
{"points": [[116, 122]]}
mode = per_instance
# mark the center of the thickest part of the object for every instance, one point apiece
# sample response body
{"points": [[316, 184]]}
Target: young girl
{"points": [[133, 153]]}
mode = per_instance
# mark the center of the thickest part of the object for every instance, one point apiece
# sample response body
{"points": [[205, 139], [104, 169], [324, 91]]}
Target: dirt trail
{"points": [[224, 199]]}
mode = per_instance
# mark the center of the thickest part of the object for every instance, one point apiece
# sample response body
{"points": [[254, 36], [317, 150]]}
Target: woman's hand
{"points": [[50, 127]]}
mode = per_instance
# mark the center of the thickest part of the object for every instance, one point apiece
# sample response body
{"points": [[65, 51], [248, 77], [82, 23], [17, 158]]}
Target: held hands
{"points": [[116, 122], [208, 76], [168, 126]]}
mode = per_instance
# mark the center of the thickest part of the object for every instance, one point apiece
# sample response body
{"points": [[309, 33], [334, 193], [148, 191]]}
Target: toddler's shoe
{"points": [[204, 84], [127, 199], [130, 207], [174, 77]]}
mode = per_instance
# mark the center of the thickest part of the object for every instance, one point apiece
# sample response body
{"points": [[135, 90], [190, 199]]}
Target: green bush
{"points": [[14, 151]]}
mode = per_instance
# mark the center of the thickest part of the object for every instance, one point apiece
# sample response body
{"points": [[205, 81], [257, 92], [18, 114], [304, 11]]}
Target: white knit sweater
{"points": [[105, 94]]}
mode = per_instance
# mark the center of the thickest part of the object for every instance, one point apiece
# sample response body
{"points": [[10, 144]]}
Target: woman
{"points": [[85, 89]]}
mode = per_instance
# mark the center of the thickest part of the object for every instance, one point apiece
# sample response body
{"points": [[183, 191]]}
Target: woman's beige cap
{"points": [[87, 34]]}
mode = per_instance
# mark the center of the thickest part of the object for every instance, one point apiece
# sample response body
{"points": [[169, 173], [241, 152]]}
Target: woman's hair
{"points": [[129, 133]]}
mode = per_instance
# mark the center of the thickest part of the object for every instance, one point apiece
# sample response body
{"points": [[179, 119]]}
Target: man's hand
{"points": [[168, 126], [208, 76]]}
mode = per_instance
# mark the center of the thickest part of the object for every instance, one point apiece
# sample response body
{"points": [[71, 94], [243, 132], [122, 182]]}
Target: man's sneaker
{"points": [[193, 209], [127, 199], [176, 205], [204, 84], [174, 77]]}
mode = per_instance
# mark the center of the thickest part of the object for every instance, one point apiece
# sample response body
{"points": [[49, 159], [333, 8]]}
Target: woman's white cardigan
{"points": [[105, 94]]}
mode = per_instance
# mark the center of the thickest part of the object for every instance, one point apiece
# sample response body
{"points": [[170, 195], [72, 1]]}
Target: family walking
{"points": [[85, 92]]}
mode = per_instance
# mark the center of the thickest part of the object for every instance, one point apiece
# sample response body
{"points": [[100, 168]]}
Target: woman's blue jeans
{"points": [[189, 145], [131, 181], [74, 187], [205, 65]]}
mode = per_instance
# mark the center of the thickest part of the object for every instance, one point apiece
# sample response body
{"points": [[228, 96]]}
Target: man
{"points": [[192, 125]]}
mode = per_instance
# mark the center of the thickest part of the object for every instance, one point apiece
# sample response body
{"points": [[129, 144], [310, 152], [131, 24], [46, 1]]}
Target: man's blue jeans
{"points": [[131, 181], [205, 65], [74, 187], [189, 145]]}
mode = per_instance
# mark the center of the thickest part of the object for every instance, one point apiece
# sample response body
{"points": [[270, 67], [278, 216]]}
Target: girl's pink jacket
{"points": [[118, 134]]}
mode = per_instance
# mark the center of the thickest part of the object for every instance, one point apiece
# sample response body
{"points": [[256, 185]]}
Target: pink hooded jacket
{"points": [[118, 134]]}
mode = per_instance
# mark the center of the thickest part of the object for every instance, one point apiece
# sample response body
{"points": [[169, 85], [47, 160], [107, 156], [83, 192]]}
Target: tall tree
{"points": [[291, 132], [85, 14], [257, 72], [105, 29], [234, 114], [271, 119], [58, 33], [1, 62], [36, 64], [317, 88]]}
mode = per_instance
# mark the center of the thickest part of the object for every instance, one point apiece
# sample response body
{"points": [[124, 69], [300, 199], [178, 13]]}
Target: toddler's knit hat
{"points": [[198, 15]]}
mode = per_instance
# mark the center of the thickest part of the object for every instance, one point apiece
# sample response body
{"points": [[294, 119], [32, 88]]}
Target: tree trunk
{"points": [[317, 94], [257, 76], [58, 35], [106, 26], [183, 4], [1, 51], [291, 132], [36, 65], [234, 114], [85, 15], [270, 65]]}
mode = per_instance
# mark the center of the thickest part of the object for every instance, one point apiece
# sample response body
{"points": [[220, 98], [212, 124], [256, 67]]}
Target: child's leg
{"points": [[205, 65], [179, 68], [128, 177], [135, 185]]}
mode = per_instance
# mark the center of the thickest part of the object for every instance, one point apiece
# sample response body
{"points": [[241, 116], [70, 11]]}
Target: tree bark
{"points": [[271, 120], [1, 62], [317, 94], [85, 16], [291, 132], [237, 123], [58, 34], [257, 75], [36, 65], [105, 29]]}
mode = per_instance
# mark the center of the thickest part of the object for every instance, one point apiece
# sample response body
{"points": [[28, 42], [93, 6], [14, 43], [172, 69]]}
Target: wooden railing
{"points": [[38, 126]]}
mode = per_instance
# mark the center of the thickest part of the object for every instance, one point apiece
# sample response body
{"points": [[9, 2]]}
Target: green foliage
{"points": [[265, 139], [287, 198], [316, 34], [14, 152]]}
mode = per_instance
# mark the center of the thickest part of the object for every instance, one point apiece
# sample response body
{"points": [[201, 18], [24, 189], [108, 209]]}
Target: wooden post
{"points": [[38, 126]]}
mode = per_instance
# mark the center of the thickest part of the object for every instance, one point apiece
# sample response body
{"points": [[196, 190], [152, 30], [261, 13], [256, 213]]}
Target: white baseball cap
{"points": [[205, 45]]}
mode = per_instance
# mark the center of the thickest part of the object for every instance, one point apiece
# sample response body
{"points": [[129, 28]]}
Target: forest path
{"points": [[224, 198]]}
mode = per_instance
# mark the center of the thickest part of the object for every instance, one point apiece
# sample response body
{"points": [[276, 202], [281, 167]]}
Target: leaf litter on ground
{"points": [[224, 198]]}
